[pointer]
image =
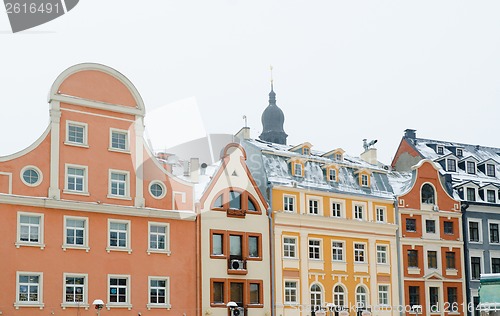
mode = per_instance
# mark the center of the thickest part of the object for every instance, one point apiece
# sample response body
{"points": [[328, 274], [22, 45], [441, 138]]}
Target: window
{"points": [[475, 263], [359, 253], [316, 297], [490, 170], [218, 203], [75, 232], [430, 226], [448, 227], [411, 225], [428, 194], [412, 258], [298, 170], [434, 299], [450, 260], [332, 175], [339, 296], [75, 289], [494, 239], [381, 254], [76, 133], [361, 297], [31, 176], [157, 189], [313, 207], [254, 247], [119, 235], [289, 203], [234, 200], [119, 139], [491, 196], [314, 249], [414, 293], [460, 152], [364, 180], [158, 292], [474, 231], [289, 247], [159, 237], [291, 292], [255, 295], [451, 165], [471, 194], [495, 265], [30, 229], [358, 212], [218, 291], [336, 209], [306, 151], [471, 167], [29, 289], [432, 259], [237, 292], [217, 244], [76, 179], [118, 290], [337, 251], [440, 150], [235, 246], [380, 214], [118, 184], [383, 294], [452, 295]]}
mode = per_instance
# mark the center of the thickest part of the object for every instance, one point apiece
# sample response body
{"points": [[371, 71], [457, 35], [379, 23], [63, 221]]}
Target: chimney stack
{"points": [[194, 170], [410, 133]]}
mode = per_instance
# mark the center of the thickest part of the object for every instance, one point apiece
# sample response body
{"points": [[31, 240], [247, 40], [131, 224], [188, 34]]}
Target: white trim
{"points": [[128, 303], [85, 303], [476, 253], [8, 174], [297, 292], [167, 238], [85, 245], [388, 294], [183, 197], [493, 221], [38, 303], [85, 127], [384, 209], [55, 139], [387, 255], [127, 184], [98, 115], [319, 201], [320, 249], [494, 254], [294, 204], [364, 210], [37, 170], [40, 242], [162, 185], [167, 293], [344, 254], [128, 247], [295, 245], [28, 149], [365, 252], [127, 140], [361, 182], [480, 230], [85, 190], [342, 207]]}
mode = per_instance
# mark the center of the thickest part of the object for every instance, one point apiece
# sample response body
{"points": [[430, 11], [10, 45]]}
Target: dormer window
{"points": [[460, 152], [338, 157], [364, 180], [451, 165], [306, 151], [332, 175], [298, 170], [471, 194], [491, 196], [440, 150], [471, 167], [490, 170], [428, 194]]}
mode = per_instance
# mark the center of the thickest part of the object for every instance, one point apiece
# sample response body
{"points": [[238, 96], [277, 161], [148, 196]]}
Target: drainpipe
{"points": [[400, 258], [465, 237], [271, 247]]}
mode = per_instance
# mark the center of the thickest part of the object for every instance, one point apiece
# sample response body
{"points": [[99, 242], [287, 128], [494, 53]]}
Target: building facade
{"points": [[88, 212]]}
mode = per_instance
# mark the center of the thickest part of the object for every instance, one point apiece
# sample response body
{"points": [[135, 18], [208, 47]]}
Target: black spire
{"points": [[272, 121]]}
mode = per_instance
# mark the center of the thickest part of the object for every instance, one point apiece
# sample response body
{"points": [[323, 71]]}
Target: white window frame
{"points": [[493, 221], [486, 170], [495, 195], [383, 209], [460, 152], [363, 211], [476, 253], [127, 184], [40, 242], [467, 167], [455, 164], [301, 174], [364, 180], [167, 238], [127, 140], [294, 245], [85, 190], [165, 305], [285, 205], [295, 288], [39, 303], [385, 252], [342, 208], [319, 204], [364, 251], [387, 296], [85, 233], [343, 259], [85, 303], [37, 170], [466, 195], [480, 230], [320, 247], [440, 150], [332, 177], [163, 187], [343, 293], [128, 248], [126, 304], [85, 134]]}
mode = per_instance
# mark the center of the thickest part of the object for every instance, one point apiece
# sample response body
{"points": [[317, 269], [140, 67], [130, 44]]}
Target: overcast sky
{"points": [[343, 70]]}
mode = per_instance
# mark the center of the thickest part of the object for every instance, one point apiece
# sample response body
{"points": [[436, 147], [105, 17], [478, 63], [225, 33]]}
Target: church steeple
{"points": [[272, 121]]}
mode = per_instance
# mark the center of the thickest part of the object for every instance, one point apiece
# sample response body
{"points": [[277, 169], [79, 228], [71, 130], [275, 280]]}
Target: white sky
{"points": [[343, 70]]}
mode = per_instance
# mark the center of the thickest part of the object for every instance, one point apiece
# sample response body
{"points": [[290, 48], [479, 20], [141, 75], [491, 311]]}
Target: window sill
{"points": [[164, 306], [26, 244], [291, 258], [65, 247], [453, 272], [76, 144], [109, 249], [237, 272], [17, 305], [218, 256], [221, 305], [118, 197], [77, 305], [255, 305], [117, 150], [66, 191], [166, 252], [254, 258], [413, 270], [111, 305]]}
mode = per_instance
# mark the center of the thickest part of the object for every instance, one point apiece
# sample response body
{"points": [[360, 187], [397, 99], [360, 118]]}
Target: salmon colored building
{"points": [[432, 253], [88, 213]]}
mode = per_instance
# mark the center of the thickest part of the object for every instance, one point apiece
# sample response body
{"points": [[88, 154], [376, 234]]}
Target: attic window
{"points": [[451, 165], [218, 202], [234, 200], [298, 170], [460, 152], [338, 157], [471, 167], [332, 175], [305, 151], [364, 180], [490, 170], [440, 150]]}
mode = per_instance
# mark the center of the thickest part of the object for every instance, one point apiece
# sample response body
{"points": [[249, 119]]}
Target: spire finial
{"points": [[272, 81]]}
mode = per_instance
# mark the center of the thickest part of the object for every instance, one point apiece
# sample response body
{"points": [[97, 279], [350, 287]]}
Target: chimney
{"points": [[370, 156], [243, 133], [194, 170], [203, 170], [410, 133]]}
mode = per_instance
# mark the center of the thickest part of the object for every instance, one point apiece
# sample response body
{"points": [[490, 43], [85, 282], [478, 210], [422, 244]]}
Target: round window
{"points": [[31, 176], [157, 190]]}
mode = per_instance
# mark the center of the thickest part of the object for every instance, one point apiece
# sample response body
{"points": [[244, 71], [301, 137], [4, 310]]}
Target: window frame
{"points": [[333, 211], [165, 305], [468, 197], [85, 127], [224, 292], [39, 302], [318, 247], [318, 206], [247, 237], [260, 283], [387, 300], [451, 263], [113, 130], [163, 187], [383, 210], [470, 167], [487, 170], [126, 195], [35, 169], [359, 251], [294, 246], [496, 264], [85, 245], [286, 205], [479, 230], [128, 302], [128, 247], [427, 199], [224, 245], [338, 294], [454, 165], [412, 257], [408, 227], [364, 180], [384, 253], [355, 211], [487, 195], [295, 169], [85, 177], [332, 177], [446, 228], [335, 251], [494, 222], [85, 302], [290, 288], [435, 258], [427, 231], [166, 250], [41, 234], [480, 264]]}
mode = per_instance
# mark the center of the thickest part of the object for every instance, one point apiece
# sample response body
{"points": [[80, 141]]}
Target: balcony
{"points": [[236, 265]]}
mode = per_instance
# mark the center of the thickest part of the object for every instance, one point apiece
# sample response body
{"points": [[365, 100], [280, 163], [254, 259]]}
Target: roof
{"points": [[489, 292]]}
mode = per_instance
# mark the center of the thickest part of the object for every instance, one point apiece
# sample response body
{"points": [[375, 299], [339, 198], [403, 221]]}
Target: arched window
{"points": [[234, 200], [361, 297], [428, 194], [218, 202], [339, 296], [316, 297]]}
